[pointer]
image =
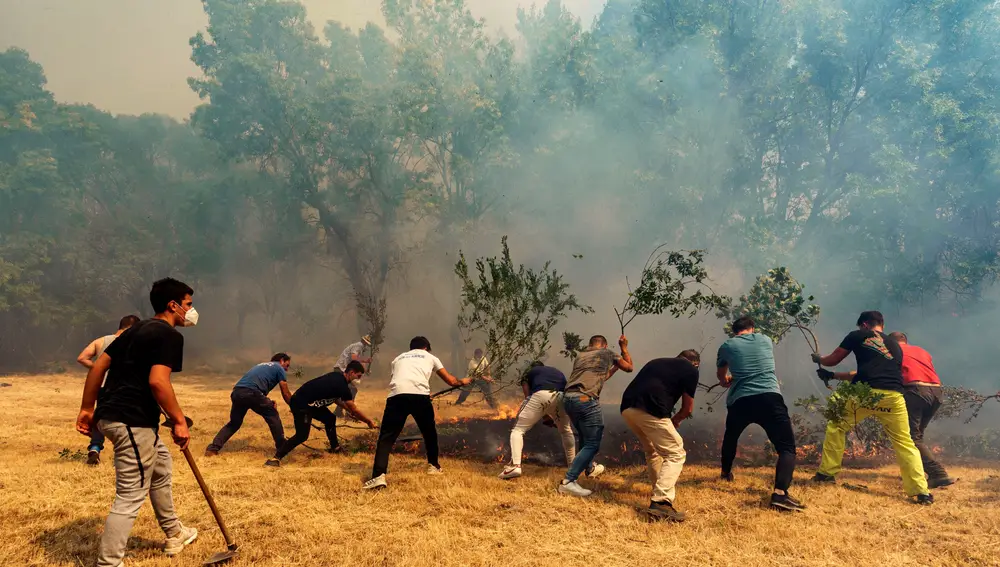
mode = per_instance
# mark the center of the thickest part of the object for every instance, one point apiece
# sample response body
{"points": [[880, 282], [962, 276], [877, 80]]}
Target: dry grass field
{"points": [[311, 511]]}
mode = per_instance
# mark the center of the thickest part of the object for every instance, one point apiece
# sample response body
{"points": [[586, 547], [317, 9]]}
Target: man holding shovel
{"points": [[352, 353], [138, 365]]}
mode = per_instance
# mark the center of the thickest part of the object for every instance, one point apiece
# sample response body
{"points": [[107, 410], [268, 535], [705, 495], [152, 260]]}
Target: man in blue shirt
{"points": [[250, 394], [746, 366]]}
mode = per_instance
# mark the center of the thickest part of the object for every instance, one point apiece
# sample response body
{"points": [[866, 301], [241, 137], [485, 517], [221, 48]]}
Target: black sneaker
{"points": [[933, 483], [665, 511], [728, 477], [925, 499], [786, 502], [272, 463], [93, 458], [824, 478], [335, 450]]}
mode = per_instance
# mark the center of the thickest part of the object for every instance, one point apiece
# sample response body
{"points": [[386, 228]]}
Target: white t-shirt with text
{"points": [[412, 371]]}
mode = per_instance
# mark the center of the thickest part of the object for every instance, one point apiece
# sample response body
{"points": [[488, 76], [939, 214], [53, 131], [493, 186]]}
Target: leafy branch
{"points": [[664, 287], [958, 400]]}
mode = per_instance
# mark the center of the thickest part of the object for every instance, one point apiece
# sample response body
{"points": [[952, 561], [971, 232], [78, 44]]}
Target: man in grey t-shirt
{"points": [[352, 352], [591, 370]]}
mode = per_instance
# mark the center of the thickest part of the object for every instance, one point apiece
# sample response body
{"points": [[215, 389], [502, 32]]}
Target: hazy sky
{"points": [[132, 56]]}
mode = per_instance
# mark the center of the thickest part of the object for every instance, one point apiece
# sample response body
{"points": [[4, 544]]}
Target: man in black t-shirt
{"points": [[138, 365], [310, 401], [647, 405], [880, 365]]}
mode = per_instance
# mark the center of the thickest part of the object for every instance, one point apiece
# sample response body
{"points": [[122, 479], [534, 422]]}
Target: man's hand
{"points": [[622, 342], [274, 404], [372, 424], [676, 422], [465, 381], [181, 435], [85, 421], [816, 357], [824, 374]]}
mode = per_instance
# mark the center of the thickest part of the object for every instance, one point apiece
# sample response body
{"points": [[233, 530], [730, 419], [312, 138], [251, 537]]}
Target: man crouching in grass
{"points": [[410, 394], [647, 405], [310, 401], [138, 366]]}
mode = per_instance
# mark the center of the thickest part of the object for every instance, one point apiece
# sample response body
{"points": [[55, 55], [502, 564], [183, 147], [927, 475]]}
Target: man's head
{"points": [[171, 300], [283, 359], [420, 343], [535, 364], [691, 356], [354, 370], [367, 339], [598, 341], [898, 337], [478, 353], [127, 321], [743, 325], [871, 321]]}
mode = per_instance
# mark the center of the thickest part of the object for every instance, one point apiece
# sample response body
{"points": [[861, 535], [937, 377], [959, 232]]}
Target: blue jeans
{"points": [[588, 420]]}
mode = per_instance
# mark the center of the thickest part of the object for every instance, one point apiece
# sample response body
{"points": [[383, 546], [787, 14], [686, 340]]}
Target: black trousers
{"points": [[244, 400], [769, 412], [303, 418], [922, 402], [397, 409], [483, 386]]}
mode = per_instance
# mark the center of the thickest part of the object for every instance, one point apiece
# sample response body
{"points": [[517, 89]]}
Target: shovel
{"points": [[232, 550]]}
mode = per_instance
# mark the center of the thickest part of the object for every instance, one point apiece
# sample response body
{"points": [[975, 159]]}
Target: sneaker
{"points": [[377, 482], [512, 471], [93, 458], [176, 544], [595, 471], [665, 511], [272, 462], [824, 478], [432, 470], [573, 489], [211, 453], [933, 483], [786, 502], [335, 450], [728, 477], [925, 499]]}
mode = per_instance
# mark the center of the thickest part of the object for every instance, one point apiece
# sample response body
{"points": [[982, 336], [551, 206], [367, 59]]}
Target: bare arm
{"points": [[353, 408], [163, 391], [687, 408], [84, 422], [834, 358], [451, 380], [844, 375], [625, 362], [86, 358], [286, 394]]}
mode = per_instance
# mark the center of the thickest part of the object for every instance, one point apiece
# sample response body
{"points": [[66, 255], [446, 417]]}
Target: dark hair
{"points": [[898, 336], [598, 340], [691, 355], [166, 290], [420, 343], [127, 321], [354, 366], [742, 324], [871, 318], [280, 357], [536, 364]]}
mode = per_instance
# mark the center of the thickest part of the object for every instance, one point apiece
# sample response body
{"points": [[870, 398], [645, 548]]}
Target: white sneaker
{"points": [[176, 544], [573, 489], [432, 470], [595, 471], [511, 471], [377, 482]]}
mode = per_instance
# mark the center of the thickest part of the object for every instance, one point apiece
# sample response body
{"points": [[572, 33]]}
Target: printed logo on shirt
{"points": [[324, 403], [876, 344]]}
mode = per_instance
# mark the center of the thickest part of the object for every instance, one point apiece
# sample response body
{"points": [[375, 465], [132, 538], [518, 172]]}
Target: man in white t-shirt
{"points": [[410, 394]]}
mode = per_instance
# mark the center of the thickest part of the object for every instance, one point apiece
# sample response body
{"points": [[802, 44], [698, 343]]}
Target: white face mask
{"points": [[190, 318]]}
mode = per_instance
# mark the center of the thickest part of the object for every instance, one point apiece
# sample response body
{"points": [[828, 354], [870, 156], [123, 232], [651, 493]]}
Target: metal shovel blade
{"points": [[223, 556]]}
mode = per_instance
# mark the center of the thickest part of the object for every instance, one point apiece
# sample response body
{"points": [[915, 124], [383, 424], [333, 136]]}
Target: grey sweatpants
{"points": [[142, 467]]}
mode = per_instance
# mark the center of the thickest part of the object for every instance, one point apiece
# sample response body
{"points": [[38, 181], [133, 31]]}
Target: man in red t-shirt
{"points": [[922, 392]]}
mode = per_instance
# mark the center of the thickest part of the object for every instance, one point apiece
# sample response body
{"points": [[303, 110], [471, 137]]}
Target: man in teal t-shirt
{"points": [[746, 366]]}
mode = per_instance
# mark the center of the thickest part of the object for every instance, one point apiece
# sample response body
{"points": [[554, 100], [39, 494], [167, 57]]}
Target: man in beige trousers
{"points": [[647, 405]]}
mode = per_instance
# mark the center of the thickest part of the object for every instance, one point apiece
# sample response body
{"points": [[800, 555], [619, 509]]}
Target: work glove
{"points": [[816, 357], [824, 374]]}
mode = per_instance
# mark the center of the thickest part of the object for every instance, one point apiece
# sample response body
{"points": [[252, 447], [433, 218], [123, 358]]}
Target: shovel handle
{"points": [[208, 496]]}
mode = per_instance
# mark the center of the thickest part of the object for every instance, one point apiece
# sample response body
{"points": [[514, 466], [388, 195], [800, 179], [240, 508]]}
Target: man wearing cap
{"points": [[352, 352], [482, 380]]}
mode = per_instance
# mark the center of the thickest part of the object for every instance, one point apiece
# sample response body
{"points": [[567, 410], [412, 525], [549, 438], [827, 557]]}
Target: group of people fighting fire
{"points": [[129, 381]]}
